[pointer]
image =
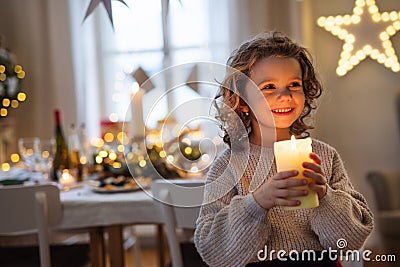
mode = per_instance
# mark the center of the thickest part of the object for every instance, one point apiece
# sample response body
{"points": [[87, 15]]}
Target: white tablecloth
{"points": [[84, 208]]}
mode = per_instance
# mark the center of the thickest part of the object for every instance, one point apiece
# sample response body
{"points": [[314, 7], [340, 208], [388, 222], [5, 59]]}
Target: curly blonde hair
{"points": [[239, 65]]}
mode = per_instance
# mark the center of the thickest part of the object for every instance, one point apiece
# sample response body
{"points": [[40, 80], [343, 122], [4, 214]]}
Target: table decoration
{"points": [[175, 157], [120, 184], [177, 151]]}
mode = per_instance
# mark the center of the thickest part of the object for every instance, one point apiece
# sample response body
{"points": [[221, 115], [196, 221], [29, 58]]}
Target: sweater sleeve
{"points": [[231, 228], [343, 212]]}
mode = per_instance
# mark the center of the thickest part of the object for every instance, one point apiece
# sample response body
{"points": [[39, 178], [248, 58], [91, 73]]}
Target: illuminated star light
{"points": [[365, 33]]}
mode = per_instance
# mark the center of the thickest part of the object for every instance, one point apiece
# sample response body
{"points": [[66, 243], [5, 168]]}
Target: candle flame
{"points": [[293, 139], [66, 178], [65, 175]]}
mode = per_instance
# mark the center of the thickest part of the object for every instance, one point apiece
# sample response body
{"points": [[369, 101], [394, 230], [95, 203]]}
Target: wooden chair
{"points": [[31, 209], [385, 185], [179, 202]]}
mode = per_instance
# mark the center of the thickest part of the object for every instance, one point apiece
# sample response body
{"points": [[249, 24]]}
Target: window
{"points": [[137, 41]]}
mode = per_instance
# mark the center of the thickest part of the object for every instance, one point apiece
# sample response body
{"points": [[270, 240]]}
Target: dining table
{"points": [[109, 213]]}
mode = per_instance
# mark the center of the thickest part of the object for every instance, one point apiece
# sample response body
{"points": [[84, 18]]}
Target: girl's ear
{"points": [[243, 106]]}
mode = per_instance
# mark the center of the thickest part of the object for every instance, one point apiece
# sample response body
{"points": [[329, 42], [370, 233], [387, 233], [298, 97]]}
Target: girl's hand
{"points": [[273, 192], [314, 171]]}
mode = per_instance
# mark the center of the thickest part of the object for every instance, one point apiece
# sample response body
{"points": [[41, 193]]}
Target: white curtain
{"points": [[88, 65]]}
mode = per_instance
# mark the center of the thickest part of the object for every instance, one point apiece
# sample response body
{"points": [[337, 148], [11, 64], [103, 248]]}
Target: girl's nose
{"points": [[285, 93]]}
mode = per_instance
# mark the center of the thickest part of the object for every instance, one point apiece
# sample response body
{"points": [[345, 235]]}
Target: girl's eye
{"points": [[268, 87], [295, 85]]}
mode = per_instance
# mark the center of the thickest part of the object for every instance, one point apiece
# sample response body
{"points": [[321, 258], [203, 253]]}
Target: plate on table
{"points": [[14, 176], [120, 184], [7, 182]]}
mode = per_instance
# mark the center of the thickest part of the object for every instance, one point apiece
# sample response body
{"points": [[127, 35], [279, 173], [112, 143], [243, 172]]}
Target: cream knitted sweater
{"points": [[232, 227]]}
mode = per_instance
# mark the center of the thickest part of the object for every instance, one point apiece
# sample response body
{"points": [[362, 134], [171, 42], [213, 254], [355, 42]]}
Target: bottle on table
{"points": [[61, 158]]}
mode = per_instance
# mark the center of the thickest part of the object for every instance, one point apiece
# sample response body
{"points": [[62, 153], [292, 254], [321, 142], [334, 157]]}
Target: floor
{"points": [[28, 257], [149, 255], [149, 258], [27, 254]]}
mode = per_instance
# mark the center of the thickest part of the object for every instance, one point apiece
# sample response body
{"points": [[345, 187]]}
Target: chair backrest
{"points": [[27, 209], [385, 185], [179, 202], [184, 198]]}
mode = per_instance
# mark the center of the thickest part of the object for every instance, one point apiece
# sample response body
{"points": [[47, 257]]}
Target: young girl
{"points": [[243, 221]]}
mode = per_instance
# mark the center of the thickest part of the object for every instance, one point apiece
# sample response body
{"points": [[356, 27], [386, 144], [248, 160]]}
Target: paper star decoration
{"points": [[366, 32], [143, 79], [107, 4], [193, 79]]}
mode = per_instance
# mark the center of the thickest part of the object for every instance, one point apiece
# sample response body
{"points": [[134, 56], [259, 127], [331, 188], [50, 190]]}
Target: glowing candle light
{"points": [[290, 155], [66, 179]]}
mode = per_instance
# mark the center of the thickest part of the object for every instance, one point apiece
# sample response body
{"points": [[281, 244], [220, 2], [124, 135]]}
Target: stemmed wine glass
{"points": [[47, 149], [29, 151]]}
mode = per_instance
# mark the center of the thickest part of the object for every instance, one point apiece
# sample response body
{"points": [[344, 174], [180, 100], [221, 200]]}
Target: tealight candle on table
{"points": [[66, 178], [290, 155]]}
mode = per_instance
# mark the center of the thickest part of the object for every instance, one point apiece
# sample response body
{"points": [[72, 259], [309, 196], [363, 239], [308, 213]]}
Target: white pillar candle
{"points": [[137, 122], [290, 155]]}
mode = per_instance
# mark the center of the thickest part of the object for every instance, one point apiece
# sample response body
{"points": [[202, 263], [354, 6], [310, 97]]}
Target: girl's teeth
{"points": [[282, 110]]}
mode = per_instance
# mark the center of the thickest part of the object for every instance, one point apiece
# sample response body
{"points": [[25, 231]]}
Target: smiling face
{"points": [[280, 81]]}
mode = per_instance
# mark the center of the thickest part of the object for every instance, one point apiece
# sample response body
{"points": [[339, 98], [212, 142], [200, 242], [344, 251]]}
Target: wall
{"points": [[251, 17], [37, 32], [357, 113]]}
